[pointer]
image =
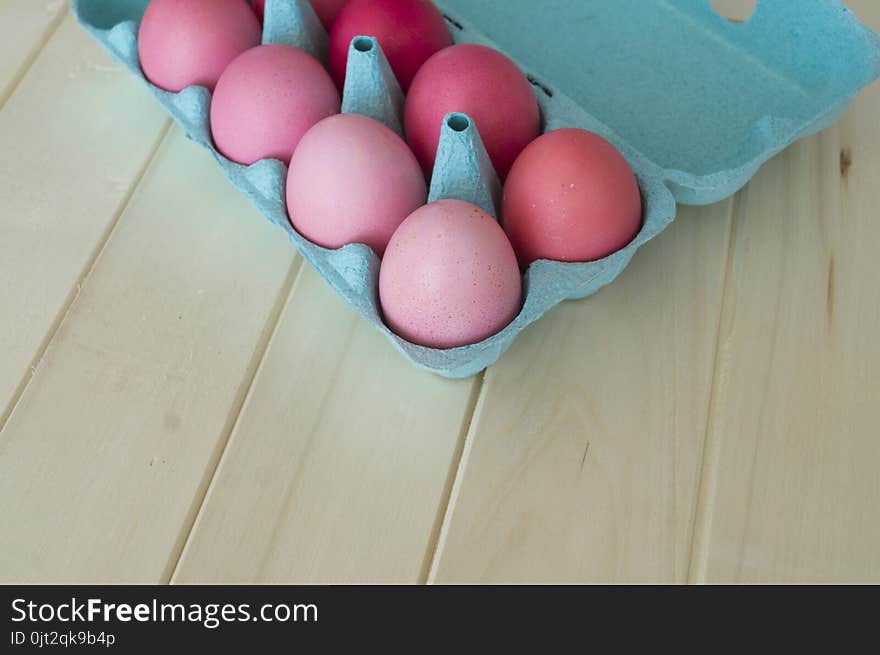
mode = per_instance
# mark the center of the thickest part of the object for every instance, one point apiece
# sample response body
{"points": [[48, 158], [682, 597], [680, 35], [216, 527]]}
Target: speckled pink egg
{"points": [[571, 197], [409, 31], [325, 9], [485, 85], [352, 180], [266, 100], [183, 43], [449, 277]]}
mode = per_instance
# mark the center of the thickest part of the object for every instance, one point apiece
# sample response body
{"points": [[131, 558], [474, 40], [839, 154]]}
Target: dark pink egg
{"points": [[485, 85], [328, 10], [325, 9], [183, 43], [449, 277], [409, 31], [266, 100], [570, 197]]}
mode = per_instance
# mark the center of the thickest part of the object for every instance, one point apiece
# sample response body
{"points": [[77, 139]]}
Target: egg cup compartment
{"points": [[660, 99]]}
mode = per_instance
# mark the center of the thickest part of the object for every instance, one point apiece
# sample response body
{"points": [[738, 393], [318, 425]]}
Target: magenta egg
{"points": [[184, 43], [449, 277], [485, 85], [352, 180], [571, 197], [325, 9], [266, 100], [409, 32]]}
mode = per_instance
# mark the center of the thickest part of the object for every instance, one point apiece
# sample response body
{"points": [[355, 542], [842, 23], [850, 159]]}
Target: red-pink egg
{"points": [[183, 43], [485, 85], [325, 9], [449, 277], [352, 180], [409, 32], [266, 100], [571, 197]]}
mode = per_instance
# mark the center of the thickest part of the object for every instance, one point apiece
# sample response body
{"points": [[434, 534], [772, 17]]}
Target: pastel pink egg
{"points": [[409, 32], [352, 180], [266, 100], [485, 85], [183, 43], [449, 277], [571, 197], [325, 9]]}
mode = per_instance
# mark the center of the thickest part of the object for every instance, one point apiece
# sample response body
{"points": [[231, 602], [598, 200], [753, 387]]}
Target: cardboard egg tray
{"points": [[695, 103]]}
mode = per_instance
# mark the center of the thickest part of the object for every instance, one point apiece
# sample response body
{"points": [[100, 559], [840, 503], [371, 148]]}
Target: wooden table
{"points": [[182, 400]]}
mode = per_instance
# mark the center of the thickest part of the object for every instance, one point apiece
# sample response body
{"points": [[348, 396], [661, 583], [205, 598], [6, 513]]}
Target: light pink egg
{"points": [[449, 277], [571, 197], [485, 85], [352, 180], [183, 43], [409, 32], [266, 100], [325, 9]]}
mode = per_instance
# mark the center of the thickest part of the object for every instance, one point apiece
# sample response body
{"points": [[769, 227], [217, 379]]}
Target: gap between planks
{"points": [[217, 459], [453, 483], [711, 457], [82, 278], [452, 500], [31, 57]]}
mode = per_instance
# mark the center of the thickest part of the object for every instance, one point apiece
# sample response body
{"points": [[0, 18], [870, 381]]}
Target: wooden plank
{"points": [[582, 464], [25, 25], [791, 490], [339, 466], [106, 458], [76, 136]]}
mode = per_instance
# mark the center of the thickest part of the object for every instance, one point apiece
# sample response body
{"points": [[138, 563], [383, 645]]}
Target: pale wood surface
{"points": [[26, 26], [65, 174], [586, 468], [793, 480], [117, 435], [339, 465], [181, 400]]}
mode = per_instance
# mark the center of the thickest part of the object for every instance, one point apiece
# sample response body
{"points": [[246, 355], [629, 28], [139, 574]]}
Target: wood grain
{"points": [[24, 29], [584, 454], [339, 467], [792, 492], [75, 138], [105, 460]]}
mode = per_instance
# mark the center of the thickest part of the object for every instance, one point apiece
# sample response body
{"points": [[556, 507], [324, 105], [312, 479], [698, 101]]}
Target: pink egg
{"points": [[449, 277], [409, 31], [183, 43], [571, 197], [266, 100], [352, 180], [485, 85], [328, 10], [325, 9]]}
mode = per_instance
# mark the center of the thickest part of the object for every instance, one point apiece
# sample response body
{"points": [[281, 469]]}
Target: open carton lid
{"points": [[704, 99]]}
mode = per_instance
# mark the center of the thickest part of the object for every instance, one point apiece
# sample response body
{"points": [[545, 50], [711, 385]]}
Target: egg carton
{"points": [[696, 104]]}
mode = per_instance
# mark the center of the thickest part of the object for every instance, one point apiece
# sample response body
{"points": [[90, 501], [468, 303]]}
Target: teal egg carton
{"points": [[694, 102]]}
